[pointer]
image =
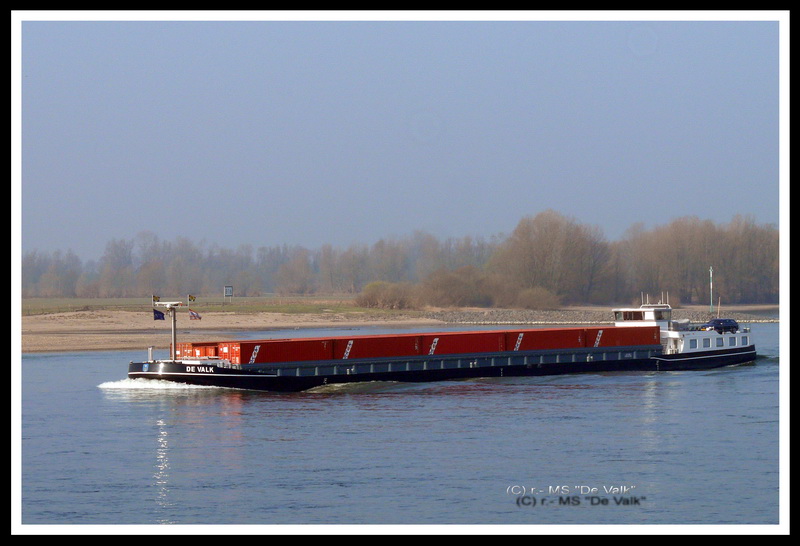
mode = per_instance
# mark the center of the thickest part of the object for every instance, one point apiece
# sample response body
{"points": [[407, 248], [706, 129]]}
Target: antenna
{"points": [[711, 289]]}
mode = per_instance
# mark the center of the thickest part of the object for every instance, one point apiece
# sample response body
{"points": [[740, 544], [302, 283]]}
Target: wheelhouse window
{"points": [[628, 315], [662, 314]]}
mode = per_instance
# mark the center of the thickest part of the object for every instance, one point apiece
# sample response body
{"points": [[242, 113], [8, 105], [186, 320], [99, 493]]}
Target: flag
{"points": [[158, 315], [156, 298], [191, 298], [194, 316]]}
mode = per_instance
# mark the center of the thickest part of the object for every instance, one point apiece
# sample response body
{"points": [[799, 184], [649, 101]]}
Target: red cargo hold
{"points": [[442, 343]]}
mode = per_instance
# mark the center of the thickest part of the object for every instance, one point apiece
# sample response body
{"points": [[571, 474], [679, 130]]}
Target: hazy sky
{"points": [[341, 132]]}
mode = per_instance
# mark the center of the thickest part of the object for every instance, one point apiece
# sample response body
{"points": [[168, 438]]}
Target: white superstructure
{"points": [[683, 336]]}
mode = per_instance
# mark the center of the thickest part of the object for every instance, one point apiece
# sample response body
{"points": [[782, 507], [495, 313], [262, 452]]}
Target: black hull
{"points": [[294, 377], [703, 360]]}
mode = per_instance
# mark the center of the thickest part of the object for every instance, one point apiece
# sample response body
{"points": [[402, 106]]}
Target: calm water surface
{"points": [[618, 448]]}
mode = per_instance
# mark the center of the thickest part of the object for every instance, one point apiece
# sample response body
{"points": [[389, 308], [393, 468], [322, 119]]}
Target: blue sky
{"points": [[266, 132]]}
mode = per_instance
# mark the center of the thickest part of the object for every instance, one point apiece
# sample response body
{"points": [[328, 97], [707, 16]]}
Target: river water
{"points": [[694, 448]]}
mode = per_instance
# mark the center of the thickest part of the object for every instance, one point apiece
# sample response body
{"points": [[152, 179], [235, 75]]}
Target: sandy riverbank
{"points": [[127, 330], [124, 330]]}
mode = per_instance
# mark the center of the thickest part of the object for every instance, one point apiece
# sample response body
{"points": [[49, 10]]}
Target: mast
{"points": [[173, 345], [171, 307]]}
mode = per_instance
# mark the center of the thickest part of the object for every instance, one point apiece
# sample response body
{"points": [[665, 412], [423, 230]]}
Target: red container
{"points": [[650, 335], [377, 346], [448, 343], [230, 350], [288, 350], [205, 349], [538, 339], [621, 336], [183, 350], [195, 350]]}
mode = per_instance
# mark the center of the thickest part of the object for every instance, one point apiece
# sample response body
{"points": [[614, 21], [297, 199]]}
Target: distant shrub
{"points": [[537, 298], [386, 295], [463, 287]]}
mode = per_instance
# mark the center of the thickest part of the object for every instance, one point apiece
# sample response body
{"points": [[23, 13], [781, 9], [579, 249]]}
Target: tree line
{"points": [[548, 260]]}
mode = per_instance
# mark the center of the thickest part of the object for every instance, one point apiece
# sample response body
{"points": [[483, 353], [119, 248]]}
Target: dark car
{"points": [[721, 325]]}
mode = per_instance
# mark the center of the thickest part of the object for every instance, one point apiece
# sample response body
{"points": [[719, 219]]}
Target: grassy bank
{"points": [[263, 304]]}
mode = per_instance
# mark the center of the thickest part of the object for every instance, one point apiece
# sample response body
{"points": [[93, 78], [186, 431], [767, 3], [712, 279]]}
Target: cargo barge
{"points": [[640, 339]]}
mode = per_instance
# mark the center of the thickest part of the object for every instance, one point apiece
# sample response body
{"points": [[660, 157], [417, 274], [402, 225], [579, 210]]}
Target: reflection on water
{"points": [[161, 476]]}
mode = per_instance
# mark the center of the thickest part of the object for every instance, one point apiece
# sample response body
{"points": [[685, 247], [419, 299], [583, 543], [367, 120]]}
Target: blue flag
{"points": [[158, 315]]}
